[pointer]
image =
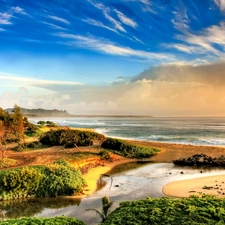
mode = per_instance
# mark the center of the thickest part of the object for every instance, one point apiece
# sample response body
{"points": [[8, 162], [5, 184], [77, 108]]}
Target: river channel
{"points": [[128, 181]]}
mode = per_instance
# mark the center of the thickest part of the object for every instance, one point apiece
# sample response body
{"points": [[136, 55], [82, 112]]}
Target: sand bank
{"points": [[214, 185], [93, 175]]}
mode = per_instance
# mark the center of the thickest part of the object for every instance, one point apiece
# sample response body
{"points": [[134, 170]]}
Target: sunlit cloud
{"points": [[59, 19], [221, 4]]}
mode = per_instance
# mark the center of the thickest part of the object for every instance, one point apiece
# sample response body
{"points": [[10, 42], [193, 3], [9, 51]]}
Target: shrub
{"points": [[45, 181], [69, 137], [59, 220], [20, 183], [127, 149], [169, 211], [104, 155], [60, 180]]}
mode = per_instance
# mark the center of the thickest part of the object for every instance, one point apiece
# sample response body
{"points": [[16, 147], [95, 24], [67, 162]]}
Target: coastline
{"points": [[169, 152]]}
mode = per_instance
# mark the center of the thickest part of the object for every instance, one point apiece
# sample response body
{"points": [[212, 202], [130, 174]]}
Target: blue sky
{"points": [[114, 57]]}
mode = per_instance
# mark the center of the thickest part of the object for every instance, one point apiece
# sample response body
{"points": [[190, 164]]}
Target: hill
{"points": [[42, 112]]}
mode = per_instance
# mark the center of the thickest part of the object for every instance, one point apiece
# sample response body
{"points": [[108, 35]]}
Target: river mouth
{"points": [[124, 182]]}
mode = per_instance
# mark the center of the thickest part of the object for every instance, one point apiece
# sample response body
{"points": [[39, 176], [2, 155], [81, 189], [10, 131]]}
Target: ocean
{"points": [[195, 131]]}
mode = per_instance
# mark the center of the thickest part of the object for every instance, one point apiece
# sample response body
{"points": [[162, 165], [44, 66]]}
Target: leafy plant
{"points": [[43, 221], [106, 205], [127, 149], [104, 155], [194, 210], [44, 181]]}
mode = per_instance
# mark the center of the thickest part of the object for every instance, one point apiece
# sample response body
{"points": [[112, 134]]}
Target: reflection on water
{"points": [[28, 208], [129, 181]]}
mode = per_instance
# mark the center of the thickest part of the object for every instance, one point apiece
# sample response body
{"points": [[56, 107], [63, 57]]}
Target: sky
{"points": [[114, 57]]}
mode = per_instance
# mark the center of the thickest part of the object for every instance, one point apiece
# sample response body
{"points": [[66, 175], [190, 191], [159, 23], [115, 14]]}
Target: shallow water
{"points": [[129, 181]]}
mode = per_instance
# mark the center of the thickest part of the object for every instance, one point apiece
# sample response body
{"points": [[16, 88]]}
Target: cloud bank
{"points": [[167, 90]]}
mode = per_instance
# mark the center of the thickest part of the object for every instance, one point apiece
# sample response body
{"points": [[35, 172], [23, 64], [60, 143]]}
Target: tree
{"points": [[18, 124], [106, 205]]}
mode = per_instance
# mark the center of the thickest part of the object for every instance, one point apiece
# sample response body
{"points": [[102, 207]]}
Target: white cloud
{"points": [[1, 29], [205, 41], [5, 18], [110, 48], [98, 24], [180, 20], [116, 23], [18, 10], [59, 19], [106, 12], [54, 26], [34, 82], [221, 4], [126, 20]]}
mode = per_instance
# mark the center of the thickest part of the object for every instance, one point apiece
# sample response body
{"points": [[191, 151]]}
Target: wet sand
{"points": [[93, 175]]}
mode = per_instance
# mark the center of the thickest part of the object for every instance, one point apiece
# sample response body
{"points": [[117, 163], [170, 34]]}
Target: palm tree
{"points": [[106, 205]]}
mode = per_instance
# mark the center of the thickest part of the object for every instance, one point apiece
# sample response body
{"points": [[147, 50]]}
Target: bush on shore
{"points": [[194, 210], [127, 149], [44, 181], [59, 220], [70, 138]]}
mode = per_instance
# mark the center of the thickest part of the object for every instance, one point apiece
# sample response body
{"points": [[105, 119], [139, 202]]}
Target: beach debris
{"points": [[182, 172], [208, 187]]}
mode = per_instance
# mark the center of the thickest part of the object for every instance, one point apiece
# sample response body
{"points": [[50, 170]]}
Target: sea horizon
{"points": [[205, 131]]}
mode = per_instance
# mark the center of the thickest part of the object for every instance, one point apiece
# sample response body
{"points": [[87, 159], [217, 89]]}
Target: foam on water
{"points": [[196, 131]]}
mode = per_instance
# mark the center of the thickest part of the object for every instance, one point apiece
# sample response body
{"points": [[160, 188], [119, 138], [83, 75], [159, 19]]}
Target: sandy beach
{"points": [[212, 185]]}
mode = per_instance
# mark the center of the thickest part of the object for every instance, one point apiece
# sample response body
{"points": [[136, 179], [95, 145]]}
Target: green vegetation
{"points": [[11, 128], [201, 160], [70, 138], [60, 220], [6, 162], [44, 181], [127, 149], [106, 205], [104, 155], [168, 211]]}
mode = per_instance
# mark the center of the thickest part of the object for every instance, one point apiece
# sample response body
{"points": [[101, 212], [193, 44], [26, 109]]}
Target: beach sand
{"points": [[212, 185]]}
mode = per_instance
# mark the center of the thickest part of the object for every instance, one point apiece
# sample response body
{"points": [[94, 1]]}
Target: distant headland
{"points": [[63, 113]]}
